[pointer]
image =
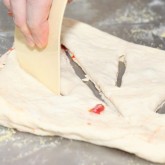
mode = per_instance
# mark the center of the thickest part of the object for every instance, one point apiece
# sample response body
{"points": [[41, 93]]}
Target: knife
{"points": [[44, 64]]}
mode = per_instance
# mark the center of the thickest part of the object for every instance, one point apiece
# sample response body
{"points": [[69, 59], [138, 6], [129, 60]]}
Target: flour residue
{"points": [[87, 13], [21, 145], [156, 3], [6, 134], [134, 15]]}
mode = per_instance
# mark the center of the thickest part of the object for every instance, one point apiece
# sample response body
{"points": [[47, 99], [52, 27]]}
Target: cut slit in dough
{"points": [[28, 106], [144, 77]]}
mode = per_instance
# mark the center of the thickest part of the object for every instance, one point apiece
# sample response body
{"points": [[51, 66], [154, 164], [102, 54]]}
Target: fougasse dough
{"points": [[28, 106]]}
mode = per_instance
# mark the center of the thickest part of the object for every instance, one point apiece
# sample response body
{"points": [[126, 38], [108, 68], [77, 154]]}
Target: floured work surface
{"points": [[128, 121]]}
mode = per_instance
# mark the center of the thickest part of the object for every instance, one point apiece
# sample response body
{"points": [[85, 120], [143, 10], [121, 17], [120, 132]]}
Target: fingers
{"points": [[31, 17], [7, 4], [19, 15], [37, 20]]}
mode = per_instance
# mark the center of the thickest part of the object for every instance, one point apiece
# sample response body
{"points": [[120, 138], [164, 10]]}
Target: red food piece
{"points": [[73, 56], [97, 109]]}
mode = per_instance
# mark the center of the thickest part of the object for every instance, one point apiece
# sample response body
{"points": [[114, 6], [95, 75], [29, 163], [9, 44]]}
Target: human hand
{"points": [[31, 17]]}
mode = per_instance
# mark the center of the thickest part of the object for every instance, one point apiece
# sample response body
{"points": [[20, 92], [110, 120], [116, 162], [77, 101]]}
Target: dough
{"points": [[144, 77], [28, 106]]}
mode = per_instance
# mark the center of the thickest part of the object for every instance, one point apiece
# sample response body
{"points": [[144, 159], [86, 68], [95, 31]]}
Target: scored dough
{"points": [[144, 77], [28, 106], [99, 54]]}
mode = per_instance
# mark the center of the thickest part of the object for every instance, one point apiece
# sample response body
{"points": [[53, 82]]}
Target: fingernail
{"points": [[10, 13], [30, 43], [39, 42], [39, 45]]}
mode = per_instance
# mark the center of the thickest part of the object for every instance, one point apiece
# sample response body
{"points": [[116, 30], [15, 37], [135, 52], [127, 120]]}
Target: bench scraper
{"points": [[44, 64]]}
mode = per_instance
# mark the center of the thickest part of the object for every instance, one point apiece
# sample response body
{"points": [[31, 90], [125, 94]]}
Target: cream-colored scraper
{"points": [[44, 64]]}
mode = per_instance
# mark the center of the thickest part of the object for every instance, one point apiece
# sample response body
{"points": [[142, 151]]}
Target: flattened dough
{"points": [[142, 88], [28, 106]]}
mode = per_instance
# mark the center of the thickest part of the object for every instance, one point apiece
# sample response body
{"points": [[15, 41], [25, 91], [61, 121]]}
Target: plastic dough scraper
{"points": [[44, 64]]}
